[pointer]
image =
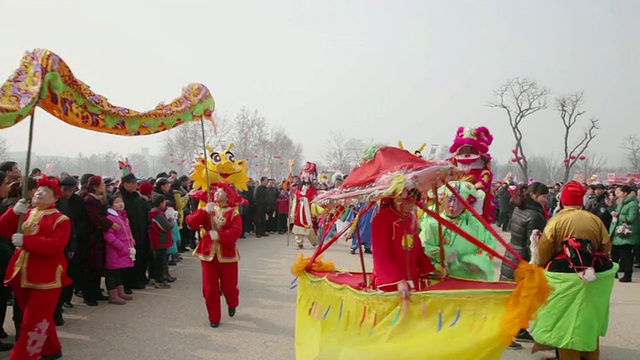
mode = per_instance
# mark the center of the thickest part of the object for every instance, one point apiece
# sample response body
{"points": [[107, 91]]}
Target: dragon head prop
{"points": [[417, 152], [222, 166]]}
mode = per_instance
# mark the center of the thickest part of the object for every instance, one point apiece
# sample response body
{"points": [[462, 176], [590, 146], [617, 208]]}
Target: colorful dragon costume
{"points": [[470, 151], [221, 166]]}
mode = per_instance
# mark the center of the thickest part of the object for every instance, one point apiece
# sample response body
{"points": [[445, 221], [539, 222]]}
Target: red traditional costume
{"points": [[219, 258], [36, 273], [397, 252], [301, 214], [471, 152]]}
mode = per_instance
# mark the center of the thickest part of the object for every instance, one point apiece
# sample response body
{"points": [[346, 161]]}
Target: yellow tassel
{"points": [[301, 262], [397, 185], [354, 224], [531, 292]]}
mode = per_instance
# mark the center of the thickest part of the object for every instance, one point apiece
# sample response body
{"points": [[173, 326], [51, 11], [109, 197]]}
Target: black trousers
{"points": [[5, 295], [623, 255], [136, 276], [282, 223], [113, 278], [91, 283], [636, 254], [261, 222], [158, 260], [272, 224], [505, 219]]}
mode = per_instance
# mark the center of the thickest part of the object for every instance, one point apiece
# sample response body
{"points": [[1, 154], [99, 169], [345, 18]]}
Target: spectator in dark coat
{"points": [[504, 200], [137, 213], [95, 207], [598, 206], [261, 202]]}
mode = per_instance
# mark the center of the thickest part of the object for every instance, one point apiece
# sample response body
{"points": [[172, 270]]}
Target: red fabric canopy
{"points": [[386, 160]]}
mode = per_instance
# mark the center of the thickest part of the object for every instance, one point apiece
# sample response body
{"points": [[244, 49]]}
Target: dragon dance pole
{"points": [[204, 153], [25, 181]]}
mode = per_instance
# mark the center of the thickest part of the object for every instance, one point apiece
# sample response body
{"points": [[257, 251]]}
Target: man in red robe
{"points": [[37, 272], [399, 262], [301, 214], [217, 250]]}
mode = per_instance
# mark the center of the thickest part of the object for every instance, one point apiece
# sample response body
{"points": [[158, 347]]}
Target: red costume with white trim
{"points": [[301, 201], [397, 251], [471, 152], [219, 258], [37, 272]]}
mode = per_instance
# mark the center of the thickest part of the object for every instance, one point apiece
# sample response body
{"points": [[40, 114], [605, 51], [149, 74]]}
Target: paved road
{"points": [[172, 324]]}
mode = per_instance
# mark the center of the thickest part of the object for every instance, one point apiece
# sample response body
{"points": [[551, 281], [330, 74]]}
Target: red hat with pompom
{"points": [[51, 183]]}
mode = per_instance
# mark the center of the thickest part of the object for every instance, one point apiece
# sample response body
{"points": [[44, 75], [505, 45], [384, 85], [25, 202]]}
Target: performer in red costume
{"points": [[217, 250], [301, 214], [37, 272], [399, 261], [470, 151]]}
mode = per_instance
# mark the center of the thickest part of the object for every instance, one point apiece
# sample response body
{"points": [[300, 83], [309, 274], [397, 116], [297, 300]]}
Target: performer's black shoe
{"points": [[368, 251], [232, 311], [515, 346], [6, 347], [67, 305], [55, 356], [214, 325], [58, 319]]}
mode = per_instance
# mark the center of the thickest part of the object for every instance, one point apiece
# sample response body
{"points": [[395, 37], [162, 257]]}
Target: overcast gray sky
{"points": [[383, 70]]}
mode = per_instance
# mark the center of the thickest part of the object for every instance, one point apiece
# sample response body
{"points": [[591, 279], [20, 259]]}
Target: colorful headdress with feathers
{"points": [[125, 166]]}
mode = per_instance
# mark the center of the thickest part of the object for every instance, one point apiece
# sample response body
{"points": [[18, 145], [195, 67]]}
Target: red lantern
{"points": [[582, 158], [281, 163], [520, 158], [572, 157], [566, 161], [276, 156], [171, 161], [514, 160], [170, 154], [256, 156], [515, 151]]}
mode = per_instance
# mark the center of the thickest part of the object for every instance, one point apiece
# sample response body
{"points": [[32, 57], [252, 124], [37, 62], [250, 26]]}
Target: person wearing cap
{"points": [[576, 335], [137, 213], [217, 250], [37, 272], [598, 206], [71, 205]]}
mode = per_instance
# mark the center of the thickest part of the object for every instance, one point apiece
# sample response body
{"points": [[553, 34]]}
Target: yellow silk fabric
{"points": [[337, 322]]}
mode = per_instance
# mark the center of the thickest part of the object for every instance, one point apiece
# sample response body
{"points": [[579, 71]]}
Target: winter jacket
{"points": [[175, 236], [598, 207], [504, 197], [93, 245], [627, 212], [119, 241], [159, 230], [523, 221], [136, 209], [282, 204]]}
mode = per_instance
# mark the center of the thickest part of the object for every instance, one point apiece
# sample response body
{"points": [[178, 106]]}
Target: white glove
{"points": [[17, 240], [214, 235], [132, 253], [210, 207], [21, 207], [171, 213]]}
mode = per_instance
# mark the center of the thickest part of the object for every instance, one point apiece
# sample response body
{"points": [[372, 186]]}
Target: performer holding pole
{"points": [[217, 250], [37, 272]]}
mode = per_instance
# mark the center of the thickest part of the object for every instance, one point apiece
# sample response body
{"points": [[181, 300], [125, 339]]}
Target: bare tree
{"points": [[223, 134], [279, 149], [343, 153], [569, 108], [181, 145], [251, 136], [140, 165], [520, 98], [631, 147]]}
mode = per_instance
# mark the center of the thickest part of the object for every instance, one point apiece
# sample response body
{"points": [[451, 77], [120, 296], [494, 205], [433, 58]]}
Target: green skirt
{"points": [[577, 312]]}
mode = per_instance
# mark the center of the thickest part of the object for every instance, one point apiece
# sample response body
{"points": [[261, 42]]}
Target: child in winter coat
{"points": [[160, 240], [172, 215], [120, 251]]}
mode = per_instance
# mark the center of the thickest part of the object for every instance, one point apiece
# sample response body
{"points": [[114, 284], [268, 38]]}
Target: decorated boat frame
{"points": [[339, 315]]}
